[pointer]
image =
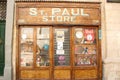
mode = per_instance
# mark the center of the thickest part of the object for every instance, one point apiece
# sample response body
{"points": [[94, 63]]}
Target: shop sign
{"points": [[58, 15]]}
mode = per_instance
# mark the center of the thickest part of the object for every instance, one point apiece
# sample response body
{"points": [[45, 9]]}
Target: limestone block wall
{"points": [[112, 71], [112, 61]]}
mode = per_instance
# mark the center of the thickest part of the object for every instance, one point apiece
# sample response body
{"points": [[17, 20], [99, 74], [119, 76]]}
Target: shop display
{"points": [[85, 51], [82, 60], [62, 49], [26, 47], [78, 49], [89, 36], [42, 55], [79, 33]]}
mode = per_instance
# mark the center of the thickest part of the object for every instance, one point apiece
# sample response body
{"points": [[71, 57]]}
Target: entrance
{"points": [[58, 53]]}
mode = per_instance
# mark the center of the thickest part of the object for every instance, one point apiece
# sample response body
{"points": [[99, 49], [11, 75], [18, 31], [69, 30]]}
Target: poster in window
{"points": [[61, 60], [26, 60], [60, 36], [59, 45], [89, 36], [79, 35], [60, 52]]}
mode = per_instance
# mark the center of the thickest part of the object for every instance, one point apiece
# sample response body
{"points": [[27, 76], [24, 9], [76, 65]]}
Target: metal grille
{"points": [[3, 10]]}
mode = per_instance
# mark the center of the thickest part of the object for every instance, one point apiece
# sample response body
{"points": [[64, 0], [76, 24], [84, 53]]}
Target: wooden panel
{"points": [[62, 74], [85, 74], [36, 74], [52, 15], [27, 74], [92, 74], [60, 4], [84, 16], [44, 74]]}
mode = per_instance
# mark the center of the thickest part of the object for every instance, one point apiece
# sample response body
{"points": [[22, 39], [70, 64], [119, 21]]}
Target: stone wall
{"points": [[112, 60]]}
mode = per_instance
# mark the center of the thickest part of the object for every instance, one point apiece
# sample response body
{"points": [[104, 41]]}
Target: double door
{"points": [[58, 53]]}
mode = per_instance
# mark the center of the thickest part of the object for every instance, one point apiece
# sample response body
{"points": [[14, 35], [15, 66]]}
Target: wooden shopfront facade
{"points": [[58, 41]]}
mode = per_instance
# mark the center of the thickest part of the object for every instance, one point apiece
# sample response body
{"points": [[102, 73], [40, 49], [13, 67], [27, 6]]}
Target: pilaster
{"points": [[8, 40]]}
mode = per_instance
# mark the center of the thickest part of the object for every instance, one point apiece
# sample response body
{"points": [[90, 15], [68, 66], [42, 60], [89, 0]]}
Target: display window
{"points": [[57, 49], [85, 46]]}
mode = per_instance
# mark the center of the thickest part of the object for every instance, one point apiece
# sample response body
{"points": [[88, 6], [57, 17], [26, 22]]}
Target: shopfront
{"points": [[58, 41]]}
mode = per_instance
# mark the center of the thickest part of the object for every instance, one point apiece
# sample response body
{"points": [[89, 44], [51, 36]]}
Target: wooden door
{"points": [[62, 68]]}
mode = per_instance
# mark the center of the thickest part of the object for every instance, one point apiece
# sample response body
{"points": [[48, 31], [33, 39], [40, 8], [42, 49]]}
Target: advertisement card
{"points": [[60, 36], [60, 51], [59, 45]]}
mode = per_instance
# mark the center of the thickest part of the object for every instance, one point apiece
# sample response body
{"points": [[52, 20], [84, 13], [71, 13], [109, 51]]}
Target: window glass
{"points": [[42, 58], [26, 47], [85, 46], [62, 47]]}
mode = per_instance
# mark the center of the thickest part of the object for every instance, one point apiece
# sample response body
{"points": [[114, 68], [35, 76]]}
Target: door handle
{"points": [[1, 41]]}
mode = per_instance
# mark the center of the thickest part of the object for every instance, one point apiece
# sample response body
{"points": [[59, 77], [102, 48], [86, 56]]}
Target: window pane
{"points": [[85, 36], [42, 47], [85, 46], [26, 47], [62, 47]]}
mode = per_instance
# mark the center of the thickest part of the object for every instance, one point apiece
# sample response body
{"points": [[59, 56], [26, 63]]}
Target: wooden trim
{"points": [[17, 52], [18, 55], [34, 46], [56, 1], [73, 57], [17, 45], [100, 58], [58, 4]]}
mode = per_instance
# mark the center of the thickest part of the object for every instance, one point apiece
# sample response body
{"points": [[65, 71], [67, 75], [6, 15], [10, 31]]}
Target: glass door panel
{"points": [[61, 47], [42, 55], [85, 46], [26, 47]]}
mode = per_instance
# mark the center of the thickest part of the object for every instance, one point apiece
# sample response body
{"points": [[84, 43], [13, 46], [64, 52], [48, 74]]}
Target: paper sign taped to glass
{"points": [[60, 51], [60, 36], [59, 45]]}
